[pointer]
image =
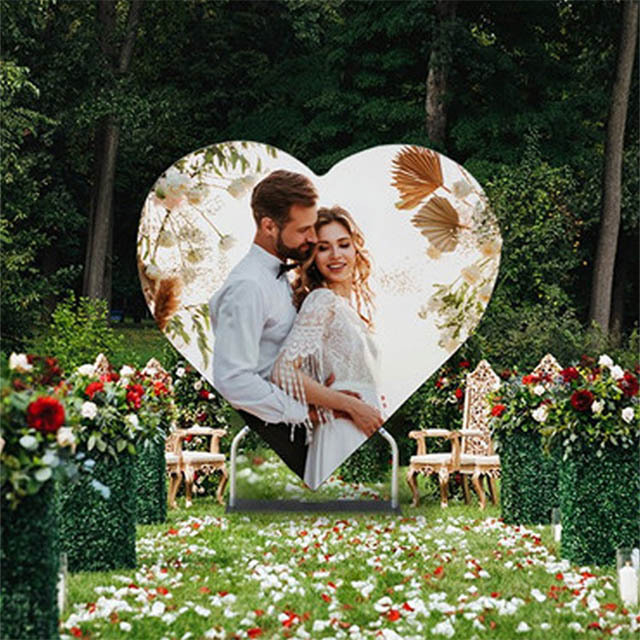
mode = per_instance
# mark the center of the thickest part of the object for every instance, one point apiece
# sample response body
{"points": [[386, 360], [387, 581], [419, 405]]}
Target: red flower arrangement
{"points": [[569, 374], [497, 410], [92, 388], [45, 414]]}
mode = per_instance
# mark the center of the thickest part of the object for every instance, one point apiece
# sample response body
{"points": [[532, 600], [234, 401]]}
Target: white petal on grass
{"points": [[523, 627], [444, 628]]}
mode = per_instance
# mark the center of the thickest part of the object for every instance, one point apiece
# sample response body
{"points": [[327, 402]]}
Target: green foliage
{"points": [[78, 332], [151, 484], [30, 560], [98, 533], [599, 503], [370, 463], [529, 480]]}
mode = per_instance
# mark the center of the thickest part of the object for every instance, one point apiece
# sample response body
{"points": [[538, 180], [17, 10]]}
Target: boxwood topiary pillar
{"points": [[99, 534], [529, 479], [151, 484], [599, 500], [30, 560]]}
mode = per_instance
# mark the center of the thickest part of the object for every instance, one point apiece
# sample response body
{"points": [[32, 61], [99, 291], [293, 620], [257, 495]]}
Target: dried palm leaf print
{"points": [[439, 222], [417, 173]]}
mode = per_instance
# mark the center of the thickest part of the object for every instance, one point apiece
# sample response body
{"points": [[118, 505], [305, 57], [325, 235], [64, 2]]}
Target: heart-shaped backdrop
{"points": [[434, 243]]}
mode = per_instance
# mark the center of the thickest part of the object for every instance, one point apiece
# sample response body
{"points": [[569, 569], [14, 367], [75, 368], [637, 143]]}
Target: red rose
{"points": [[204, 394], [93, 388], [201, 417], [530, 379], [569, 374], [582, 400], [134, 400], [45, 414], [497, 410], [459, 393], [136, 388], [464, 364], [629, 384], [438, 383], [160, 389], [110, 377]]}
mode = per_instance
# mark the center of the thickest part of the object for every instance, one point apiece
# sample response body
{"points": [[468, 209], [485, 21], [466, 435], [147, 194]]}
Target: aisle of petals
{"points": [[350, 577]]}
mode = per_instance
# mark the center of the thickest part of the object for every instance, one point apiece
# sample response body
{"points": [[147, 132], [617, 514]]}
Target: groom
{"points": [[253, 312]]}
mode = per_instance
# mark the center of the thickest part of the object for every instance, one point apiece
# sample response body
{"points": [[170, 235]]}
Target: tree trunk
{"points": [[617, 304], [600, 309], [97, 275], [438, 74]]}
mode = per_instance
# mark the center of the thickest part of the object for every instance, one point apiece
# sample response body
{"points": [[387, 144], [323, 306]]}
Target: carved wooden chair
{"points": [[173, 460], [477, 457], [204, 461], [548, 367], [471, 449]]}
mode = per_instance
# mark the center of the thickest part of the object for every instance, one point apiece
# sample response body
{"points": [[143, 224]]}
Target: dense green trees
{"points": [[320, 80]]}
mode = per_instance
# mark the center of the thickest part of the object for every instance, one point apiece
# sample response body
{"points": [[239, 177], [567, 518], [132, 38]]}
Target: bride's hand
{"points": [[364, 416]]}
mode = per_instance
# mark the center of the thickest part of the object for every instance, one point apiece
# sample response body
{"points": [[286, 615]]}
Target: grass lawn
{"points": [[427, 574], [142, 341]]}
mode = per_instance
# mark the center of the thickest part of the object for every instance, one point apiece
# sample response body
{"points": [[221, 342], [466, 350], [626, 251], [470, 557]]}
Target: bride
{"points": [[332, 340]]}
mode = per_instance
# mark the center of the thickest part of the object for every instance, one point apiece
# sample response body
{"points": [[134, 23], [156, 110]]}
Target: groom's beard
{"points": [[298, 254]]}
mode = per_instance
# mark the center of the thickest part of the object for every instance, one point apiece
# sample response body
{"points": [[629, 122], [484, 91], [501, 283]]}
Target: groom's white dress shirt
{"points": [[251, 315]]}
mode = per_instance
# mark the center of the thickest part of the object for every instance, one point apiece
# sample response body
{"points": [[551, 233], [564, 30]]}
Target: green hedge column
{"points": [[99, 534], [151, 484], [30, 560], [529, 479], [599, 500]]}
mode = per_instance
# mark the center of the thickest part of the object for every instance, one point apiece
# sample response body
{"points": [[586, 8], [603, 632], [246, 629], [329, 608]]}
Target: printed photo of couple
{"points": [[316, 305]]}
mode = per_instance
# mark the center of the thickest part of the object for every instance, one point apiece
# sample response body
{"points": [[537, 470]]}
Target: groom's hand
{"points": [[336, 413]]}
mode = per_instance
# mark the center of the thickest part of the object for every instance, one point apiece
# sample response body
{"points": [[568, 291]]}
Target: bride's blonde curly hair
{"points": [[309, 278]]}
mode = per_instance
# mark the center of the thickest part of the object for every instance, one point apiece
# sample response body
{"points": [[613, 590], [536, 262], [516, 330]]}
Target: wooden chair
{"points": [[477, 458], [547, 367], [204, 461], [173, 460], [471, 449]]}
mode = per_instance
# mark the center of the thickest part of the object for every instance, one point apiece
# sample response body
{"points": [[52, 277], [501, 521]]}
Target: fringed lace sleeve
{"points": [[303, 351]]}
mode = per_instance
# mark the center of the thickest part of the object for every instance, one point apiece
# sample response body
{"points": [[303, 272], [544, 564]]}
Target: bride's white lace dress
{"points": [[329, 337]]}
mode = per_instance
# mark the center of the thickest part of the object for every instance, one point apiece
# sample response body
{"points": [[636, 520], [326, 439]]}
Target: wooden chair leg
{"points": [[222, 485], [477, 485], [493, 490], [443, 478], [189, 478], [465, 489], [413, 485], [175, 480]]}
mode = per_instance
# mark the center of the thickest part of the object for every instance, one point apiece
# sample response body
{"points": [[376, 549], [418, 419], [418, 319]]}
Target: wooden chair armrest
{"points": [[440, 433], [199, 431], [472, 433]]}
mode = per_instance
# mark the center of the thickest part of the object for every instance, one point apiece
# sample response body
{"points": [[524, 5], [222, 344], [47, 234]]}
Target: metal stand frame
{"points": [[378, 506]]}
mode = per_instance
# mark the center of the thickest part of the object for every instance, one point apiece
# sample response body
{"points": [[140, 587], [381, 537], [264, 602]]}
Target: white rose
{"points": [[538, 389], [86, 370], [29, 443], [541, 413], [627, 414], [127, 371], [132, 419], [180, 371], [597, 406], [18, 362], [605, 361], [89, 410], [50, 459], [617, 372], [461, 189], [197, 385], [65, 437], [43, 474]]}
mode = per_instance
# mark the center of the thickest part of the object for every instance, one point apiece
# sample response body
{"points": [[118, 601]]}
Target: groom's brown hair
{"points": [[273, 196]]}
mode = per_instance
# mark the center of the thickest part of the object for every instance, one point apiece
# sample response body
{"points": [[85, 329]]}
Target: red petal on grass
{"points": [[76, 632], [610, 606], [222, 594], [172, 532], [205, 590], [393, 615], [258, 612], [594, 625], [407, 607], [162, 591], [495, 594], [559, 576], [439, 571], [255, 632], [325, 597], [196, 525], [332, 585], [302, 534]]}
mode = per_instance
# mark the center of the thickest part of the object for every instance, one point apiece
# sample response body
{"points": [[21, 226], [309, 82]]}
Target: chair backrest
{"points": [[173, 443], [548, 367], [480, 382], [102, 365]]}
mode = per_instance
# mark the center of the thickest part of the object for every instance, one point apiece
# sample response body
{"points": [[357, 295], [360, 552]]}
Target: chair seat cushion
{"points": [[201, 457], [432, 458], [171, 458], [482, 461]]}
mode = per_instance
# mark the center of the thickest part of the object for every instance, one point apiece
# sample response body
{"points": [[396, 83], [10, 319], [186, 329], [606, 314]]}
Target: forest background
{"points": [[99, 98]]}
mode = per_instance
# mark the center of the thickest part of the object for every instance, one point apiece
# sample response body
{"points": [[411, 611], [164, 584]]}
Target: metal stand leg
{"points": [[234, 452], [394, 465]]}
